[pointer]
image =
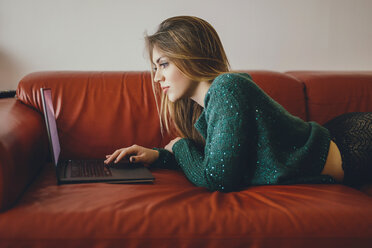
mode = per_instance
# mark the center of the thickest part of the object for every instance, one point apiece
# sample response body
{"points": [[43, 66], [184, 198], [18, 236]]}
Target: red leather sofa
{"points": [[98, 112]]}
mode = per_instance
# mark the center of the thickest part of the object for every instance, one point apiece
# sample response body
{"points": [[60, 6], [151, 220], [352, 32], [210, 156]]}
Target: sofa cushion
{"points": [[174, 213], [331, 93]]}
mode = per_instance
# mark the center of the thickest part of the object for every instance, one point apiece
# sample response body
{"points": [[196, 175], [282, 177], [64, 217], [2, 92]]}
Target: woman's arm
{"points": [[224, 161]]}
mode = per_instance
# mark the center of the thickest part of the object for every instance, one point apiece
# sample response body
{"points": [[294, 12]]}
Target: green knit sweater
{"points": [[250, 140]]}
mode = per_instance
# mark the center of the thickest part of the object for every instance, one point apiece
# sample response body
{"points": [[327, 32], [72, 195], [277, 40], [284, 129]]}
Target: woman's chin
{"points": [[171, 98], [174, 98]]}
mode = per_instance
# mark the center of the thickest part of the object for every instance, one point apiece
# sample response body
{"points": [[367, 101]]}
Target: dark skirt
{"points": [[352, 133]]}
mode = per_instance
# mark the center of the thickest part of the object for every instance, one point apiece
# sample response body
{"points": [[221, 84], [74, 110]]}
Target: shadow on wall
{"points": [[10, 72]]}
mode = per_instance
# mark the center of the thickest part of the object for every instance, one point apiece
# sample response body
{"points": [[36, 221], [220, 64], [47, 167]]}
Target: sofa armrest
{"points": [[23, 149]]}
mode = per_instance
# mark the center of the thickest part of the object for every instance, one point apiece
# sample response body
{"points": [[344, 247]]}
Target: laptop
{"points": [[87, 170]]}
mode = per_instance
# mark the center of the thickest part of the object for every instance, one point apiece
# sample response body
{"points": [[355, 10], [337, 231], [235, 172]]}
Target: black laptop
{"points": [[87, 170]]}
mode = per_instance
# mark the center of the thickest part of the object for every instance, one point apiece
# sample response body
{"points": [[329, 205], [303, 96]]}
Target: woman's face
{"points": [[172, 81]]}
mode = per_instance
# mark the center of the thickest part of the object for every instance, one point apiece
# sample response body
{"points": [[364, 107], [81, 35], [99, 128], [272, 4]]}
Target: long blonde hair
{"points": [[194, 46]]}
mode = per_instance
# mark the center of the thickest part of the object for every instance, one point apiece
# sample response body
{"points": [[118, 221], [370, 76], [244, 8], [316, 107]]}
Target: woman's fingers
{"points": [[121, 155], [125, 152], [112, 156], [136, 159]]}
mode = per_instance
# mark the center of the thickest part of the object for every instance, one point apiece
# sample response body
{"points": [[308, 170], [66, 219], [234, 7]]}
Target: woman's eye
{"points": [[161, 65], [164, 64]]}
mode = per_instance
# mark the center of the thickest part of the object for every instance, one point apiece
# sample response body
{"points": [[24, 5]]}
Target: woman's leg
{"points": [[352, 132]]}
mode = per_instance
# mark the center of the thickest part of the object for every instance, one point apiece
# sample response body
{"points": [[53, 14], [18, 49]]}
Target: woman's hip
{"points": [[352, 133]]}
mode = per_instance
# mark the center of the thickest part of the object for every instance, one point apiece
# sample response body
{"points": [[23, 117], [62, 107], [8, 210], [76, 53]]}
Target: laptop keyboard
{"points": [[89, 168]]}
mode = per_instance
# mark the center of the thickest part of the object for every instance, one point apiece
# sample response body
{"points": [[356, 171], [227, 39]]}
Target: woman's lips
{"points": [[165, 89]]}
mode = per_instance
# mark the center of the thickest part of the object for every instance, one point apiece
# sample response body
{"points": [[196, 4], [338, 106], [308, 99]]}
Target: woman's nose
{"points": [[158, 76]]}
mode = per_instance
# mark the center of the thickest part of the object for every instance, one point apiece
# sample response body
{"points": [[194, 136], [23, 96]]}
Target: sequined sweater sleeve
{"points": [[219, 167], [250, 140]]}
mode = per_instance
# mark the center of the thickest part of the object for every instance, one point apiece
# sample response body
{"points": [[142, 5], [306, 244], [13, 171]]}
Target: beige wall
{"points": [[108, 34]]}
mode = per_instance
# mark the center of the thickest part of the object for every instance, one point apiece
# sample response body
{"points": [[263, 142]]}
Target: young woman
{"points": [[232, 134]]}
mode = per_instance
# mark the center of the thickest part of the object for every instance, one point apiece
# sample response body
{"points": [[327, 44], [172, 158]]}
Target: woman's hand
{"points": [[133, 154], [170, 145]]}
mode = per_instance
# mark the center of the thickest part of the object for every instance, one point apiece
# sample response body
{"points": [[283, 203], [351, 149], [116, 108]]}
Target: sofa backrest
{"points": [[97, 112], [331, 93]]}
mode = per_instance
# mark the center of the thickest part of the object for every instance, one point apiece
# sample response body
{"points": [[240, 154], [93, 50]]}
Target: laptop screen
{"points": [[50, 121]]}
